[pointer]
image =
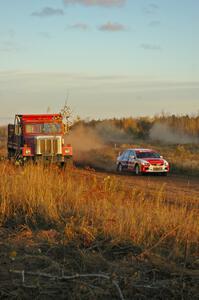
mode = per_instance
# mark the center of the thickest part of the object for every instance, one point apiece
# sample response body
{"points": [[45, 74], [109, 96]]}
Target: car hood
{"points": [[158, 161]]}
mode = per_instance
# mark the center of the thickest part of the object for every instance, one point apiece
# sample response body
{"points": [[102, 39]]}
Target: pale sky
{"points": [[113, 58]]}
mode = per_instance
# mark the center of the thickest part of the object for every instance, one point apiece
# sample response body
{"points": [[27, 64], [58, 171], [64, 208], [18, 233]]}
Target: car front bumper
{"points": [[155, 169]]}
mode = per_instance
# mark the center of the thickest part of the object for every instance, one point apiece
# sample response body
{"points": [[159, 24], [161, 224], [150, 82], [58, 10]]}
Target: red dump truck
{"points": [[38, 138]]}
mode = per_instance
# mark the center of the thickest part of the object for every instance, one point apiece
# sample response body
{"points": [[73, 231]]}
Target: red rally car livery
{"points": [[140, 161]]}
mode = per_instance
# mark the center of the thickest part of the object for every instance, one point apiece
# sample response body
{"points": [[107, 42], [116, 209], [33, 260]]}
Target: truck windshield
{"points": [[147, 155], [47, 128]]}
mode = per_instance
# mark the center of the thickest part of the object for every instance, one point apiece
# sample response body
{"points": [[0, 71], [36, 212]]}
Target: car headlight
{"points": [[145, 163], [166, 163]]}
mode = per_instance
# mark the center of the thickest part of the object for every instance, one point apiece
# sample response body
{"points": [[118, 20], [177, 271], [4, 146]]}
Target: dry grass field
{"points": [[77, 221], [89, 233]]}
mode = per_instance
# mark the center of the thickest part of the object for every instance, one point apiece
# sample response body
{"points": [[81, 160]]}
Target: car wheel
{"points": [[119, 168], [164, 174], [137, 170]]}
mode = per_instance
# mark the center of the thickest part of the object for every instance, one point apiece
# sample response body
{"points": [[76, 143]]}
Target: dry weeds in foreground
{"points": [[82, 205], [76, 234]]}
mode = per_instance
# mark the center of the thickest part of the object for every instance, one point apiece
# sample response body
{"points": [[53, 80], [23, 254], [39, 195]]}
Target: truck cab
{"points": [[38, 138]]}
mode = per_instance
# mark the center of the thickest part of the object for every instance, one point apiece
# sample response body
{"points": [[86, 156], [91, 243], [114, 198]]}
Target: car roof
{"points": [[140, 150]]}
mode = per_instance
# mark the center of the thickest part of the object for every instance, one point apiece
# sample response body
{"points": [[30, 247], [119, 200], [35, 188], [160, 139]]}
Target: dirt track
{"points": [[172, 183], [173, 186]]}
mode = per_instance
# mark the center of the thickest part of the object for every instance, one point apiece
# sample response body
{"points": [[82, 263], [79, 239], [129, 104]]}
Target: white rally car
{"points": [[142, 161]]}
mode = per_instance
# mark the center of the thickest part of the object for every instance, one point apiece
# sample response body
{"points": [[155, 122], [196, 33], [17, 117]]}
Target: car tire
{"points": [[120, 168], [137, 170], [164, 174]]}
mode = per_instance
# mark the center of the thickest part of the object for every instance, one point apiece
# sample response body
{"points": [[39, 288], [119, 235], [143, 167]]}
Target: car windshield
{"points": [[47, 128], [147, 154]]}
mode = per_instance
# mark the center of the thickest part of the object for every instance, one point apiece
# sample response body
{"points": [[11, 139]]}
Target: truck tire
{"points": [[68, 163]]}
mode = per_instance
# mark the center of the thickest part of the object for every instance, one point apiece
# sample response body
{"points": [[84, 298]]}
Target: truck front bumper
{"points": [[52, 158]]}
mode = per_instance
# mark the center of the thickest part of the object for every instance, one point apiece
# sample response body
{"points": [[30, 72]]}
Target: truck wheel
{"points": [[137, 170], [9, 155], [18, 159], [68, 163], [19, 162]]}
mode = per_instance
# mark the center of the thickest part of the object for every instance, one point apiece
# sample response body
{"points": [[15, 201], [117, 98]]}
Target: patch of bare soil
{"points": [[41, 264]]}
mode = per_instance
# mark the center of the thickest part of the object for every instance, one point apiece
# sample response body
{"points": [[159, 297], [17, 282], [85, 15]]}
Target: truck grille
{"points": [[48, 146]]}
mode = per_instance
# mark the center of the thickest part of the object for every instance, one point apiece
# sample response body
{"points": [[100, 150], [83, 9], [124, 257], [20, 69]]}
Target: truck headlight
{"points": [[27, 151], [67, 151]]}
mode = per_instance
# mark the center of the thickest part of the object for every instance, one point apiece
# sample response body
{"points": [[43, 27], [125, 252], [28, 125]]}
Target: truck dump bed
{"points": [[11, 130]]}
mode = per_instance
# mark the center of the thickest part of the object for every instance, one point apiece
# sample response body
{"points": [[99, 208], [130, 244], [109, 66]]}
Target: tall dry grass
{"points": [[87, 206]]}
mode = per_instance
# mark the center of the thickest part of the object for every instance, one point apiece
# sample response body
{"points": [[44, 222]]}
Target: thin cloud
{"points": [[45, 35], [112, 27], [151, 8], [9, 46], [140, 82], [8, 34], [48, 12], [154, 47], [11, 33], [106, 3], [154, 23], [79, 26]]}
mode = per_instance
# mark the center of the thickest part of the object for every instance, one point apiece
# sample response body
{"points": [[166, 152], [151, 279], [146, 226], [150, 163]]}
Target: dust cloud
{"points": [[112, 134], [84, 138], [90, 144], [165, 134]]}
